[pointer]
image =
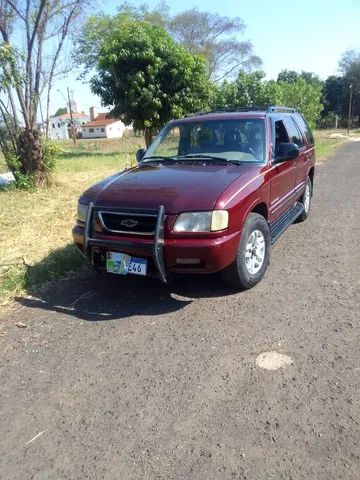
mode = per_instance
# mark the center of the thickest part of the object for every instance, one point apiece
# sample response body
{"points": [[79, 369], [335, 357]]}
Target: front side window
{"points": [[240, 140]]}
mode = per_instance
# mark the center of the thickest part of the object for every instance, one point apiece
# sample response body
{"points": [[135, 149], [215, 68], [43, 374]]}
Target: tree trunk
{"points": [[148, 137], [31, 155]]}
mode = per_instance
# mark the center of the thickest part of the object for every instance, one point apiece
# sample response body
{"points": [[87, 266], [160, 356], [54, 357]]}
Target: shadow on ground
{"points": [[97, 297]]}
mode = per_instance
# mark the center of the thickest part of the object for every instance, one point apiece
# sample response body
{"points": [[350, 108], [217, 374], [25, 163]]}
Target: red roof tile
{"points": [[101, 120]]}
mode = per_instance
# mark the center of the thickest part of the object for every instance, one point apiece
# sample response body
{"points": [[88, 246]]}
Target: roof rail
{"points": [[281, 109], [261, 108]]}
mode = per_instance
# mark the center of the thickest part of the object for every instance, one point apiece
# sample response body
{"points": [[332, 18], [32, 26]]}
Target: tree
{"points": [[33, 34], [89, 39], [214, 37], [147, 78], [250, 89], [311, 78], [287, 76], [290, 76], [60, 111], [349, 66], [202, 33], [336, 95], [305, 97]]}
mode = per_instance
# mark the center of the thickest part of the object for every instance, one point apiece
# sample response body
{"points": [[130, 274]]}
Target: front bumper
{"points": [[212, 254]]}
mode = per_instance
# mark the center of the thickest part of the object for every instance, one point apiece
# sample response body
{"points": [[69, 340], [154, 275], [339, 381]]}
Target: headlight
{"points": [[81, 212], [202, 221]]}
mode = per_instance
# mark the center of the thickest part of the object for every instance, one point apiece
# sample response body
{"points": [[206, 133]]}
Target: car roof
{"points": [[238, 113]]}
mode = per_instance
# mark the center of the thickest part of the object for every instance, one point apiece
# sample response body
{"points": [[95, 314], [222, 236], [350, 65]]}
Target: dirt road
{"points": [[129, 379]]}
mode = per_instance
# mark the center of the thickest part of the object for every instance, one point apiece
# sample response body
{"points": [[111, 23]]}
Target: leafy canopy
{"points": [[251, 89], [213, 36], [147, 78]]}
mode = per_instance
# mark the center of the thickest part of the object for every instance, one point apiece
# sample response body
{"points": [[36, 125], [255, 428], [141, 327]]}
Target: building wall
{"points": [[114, 130], [59, 127], [58, 130], [94, 132]]}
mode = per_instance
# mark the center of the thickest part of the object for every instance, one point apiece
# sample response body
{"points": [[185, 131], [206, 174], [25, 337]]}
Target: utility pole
{"points": [[350, 102], [73, 133]]}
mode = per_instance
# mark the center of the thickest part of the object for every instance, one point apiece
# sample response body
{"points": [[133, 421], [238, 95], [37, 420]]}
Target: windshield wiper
{"points": [[209, 157], [158, 157]]}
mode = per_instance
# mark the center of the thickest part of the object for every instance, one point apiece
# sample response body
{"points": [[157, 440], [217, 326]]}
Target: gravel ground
{"points": [[130, 379]]}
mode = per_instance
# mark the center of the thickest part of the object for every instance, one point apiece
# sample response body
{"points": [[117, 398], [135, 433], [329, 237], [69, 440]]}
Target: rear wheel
{"points": [[252, 256], [306, 201]]}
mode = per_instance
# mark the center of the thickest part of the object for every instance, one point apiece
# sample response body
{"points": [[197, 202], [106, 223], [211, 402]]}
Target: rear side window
{"points": [[294, 132], [304, 128]]}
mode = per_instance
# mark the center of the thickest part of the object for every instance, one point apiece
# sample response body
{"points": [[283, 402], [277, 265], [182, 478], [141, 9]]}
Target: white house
{"points": [[101, 125], [60, 126]]}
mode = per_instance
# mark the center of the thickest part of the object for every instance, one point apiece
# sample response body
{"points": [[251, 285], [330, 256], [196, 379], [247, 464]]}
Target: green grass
{"points": [[35, 227], [325, 145]]}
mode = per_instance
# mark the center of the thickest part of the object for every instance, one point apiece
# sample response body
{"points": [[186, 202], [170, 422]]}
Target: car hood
{"points": [[179, 187]]}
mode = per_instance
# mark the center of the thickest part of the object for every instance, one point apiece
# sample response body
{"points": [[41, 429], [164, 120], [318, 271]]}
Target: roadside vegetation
{"points": [[35, 226], [328, 140]]}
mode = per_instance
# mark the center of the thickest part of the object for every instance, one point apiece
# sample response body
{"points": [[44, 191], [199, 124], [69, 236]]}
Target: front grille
{"points": [[130, 223]]}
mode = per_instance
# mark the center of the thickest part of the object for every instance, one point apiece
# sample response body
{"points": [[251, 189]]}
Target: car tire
{"points": [[305, 199], [253, 254]]}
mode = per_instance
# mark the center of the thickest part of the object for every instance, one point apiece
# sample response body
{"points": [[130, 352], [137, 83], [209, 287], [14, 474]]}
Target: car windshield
{"points": [[239, 140]]}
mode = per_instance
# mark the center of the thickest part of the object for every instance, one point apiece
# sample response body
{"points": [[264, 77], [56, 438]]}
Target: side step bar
{"points": [[286, 219]]}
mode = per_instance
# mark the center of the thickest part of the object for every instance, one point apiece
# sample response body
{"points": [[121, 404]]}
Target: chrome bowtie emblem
{"points": [[129, 223]]}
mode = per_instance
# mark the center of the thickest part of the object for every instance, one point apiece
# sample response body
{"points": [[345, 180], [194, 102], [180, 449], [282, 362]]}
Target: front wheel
{"points": [[252, 256]]}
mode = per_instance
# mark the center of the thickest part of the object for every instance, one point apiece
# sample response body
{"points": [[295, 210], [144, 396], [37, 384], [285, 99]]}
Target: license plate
{"points": [[122, 264]]}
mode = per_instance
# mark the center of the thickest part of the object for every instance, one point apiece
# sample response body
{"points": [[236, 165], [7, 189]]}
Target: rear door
{"points": [[283, 178], [308, 158]]}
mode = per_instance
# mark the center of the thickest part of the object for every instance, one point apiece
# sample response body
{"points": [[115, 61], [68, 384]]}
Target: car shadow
{"points": [[99, 297]]}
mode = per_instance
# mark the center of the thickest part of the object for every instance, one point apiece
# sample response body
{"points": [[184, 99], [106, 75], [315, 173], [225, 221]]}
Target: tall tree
{"points": [[34, 35], [213, 36], [349, 66], [147, 78], [336, 95]]}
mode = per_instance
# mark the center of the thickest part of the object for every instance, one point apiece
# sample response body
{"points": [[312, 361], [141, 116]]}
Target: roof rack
{"points": [[261, 108], [281, 109]]}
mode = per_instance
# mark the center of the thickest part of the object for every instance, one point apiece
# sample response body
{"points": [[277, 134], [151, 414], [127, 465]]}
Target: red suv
{"points": [[211, 193]]}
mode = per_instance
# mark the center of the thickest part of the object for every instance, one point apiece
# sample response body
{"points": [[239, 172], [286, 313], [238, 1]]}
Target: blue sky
{"points": [[306, 35]]}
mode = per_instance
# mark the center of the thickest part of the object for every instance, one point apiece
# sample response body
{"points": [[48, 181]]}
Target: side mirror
{"points": [[286, 151], [140, 154]]}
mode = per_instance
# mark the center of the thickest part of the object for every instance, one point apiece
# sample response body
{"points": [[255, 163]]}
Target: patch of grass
{"points": [[12, 282], [35, 227], [325, 146], [59, 263], [326, 141]]}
